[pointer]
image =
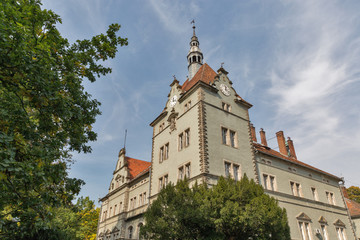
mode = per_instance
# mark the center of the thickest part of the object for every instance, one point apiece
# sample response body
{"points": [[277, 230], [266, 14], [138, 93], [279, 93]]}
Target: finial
{"points": [[174, 77], [193, 23], [222, 64]]}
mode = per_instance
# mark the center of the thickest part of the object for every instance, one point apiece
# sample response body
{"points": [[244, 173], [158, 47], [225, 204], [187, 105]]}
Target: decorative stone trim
{"points": [[203, 146], [255, 168]]}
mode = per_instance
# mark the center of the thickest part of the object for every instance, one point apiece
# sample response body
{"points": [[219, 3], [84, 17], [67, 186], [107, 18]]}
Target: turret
{"points": [[195, 56]]}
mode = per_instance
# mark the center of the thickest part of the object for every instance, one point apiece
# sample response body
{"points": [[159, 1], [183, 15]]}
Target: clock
{"points": [[173, 101], [225, 89]]}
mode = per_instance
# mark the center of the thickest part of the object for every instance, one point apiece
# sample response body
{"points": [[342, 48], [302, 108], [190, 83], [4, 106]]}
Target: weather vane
{"points": [[193, 22], [174, 77], [222, 64]]}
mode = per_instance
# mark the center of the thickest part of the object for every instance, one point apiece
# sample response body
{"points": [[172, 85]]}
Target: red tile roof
{"points": [[267, 150], [205, 74], [354, 208], [137, 167]]}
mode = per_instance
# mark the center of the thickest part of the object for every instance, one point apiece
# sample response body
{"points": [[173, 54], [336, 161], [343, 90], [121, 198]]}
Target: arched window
{"points": [[194, 58], [130, 232], [189, 59], [138, 230], [198, 58]]}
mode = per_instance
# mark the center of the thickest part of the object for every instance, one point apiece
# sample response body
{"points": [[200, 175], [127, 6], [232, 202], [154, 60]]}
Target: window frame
{"points": [[164, 152], [305, 230], [184, 171], [184, 139], [268, 184], [229, 137], [226, 107], [314, 193], [163, 181], [231, 170], [297, 191], [330, 196]]}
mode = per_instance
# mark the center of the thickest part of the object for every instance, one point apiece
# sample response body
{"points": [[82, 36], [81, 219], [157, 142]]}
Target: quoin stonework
{"points": [[205, 132]]}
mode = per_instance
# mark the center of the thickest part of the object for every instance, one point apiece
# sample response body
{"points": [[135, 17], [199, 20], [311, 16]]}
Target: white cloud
{"points": [[316, 64], [175, 15]]}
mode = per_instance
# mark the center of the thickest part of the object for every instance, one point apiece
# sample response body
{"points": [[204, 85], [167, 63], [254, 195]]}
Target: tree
{"points": [[45, 114], [228, 210], [79, 221], [354, 193]]}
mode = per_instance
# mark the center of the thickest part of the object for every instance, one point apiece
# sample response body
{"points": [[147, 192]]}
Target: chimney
{"points": [[253, 133], [291, 148], [263, 137], [281, 142]]}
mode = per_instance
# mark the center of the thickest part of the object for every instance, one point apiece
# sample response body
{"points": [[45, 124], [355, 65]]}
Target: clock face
{"points": [[225, 89], [173, 101]]}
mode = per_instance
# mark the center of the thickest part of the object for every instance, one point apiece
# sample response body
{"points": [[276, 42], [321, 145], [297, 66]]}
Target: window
{"points": [[232, 170], [120, 207], [223, 134], [187, 137], [144, 198], [236, 172], [324, 232], [130, 232], [187, 170], [184, 171], [134, 202], [138, 230], [164, 153], [229, 137], [184, 139], [330, 197], [163, 181], [227, 169], [140, 199], [187, 106], [305, 230], [131, 203], [181, 173], [314, 194], [226, 107], [232, 138], [269, 182], [181, 141], [341, 233], [110, 211], [296, 189], [115, 209]]}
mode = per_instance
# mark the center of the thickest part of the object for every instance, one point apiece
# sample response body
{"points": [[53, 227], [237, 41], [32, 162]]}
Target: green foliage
{"points": [[228, 210], [44, 113], [78, 221], [354, 193]]}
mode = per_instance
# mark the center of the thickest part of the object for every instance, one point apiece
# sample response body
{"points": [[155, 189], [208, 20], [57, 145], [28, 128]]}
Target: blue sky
{"points": [[297, 62]]}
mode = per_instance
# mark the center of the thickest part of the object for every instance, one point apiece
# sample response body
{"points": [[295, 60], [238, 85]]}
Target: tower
{"points": [[203, 131], [195, 56]]}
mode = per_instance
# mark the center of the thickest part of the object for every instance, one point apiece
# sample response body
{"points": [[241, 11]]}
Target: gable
{"points": [[302, 216]]}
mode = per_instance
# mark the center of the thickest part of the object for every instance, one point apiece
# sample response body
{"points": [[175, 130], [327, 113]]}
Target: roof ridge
{"points": [[202, 73]]}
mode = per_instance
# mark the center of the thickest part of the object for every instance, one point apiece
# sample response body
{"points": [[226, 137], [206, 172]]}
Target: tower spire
{"points": [[193, 23], [195, 56]]}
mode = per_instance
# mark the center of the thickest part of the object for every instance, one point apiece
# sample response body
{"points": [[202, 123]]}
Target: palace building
{"points": [[204, 132]]}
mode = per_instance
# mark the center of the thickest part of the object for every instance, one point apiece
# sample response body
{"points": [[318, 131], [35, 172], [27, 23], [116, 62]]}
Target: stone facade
{"points": [[204, 132]]}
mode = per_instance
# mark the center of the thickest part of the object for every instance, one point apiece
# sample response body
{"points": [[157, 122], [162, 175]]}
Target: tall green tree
{"points": [[229, 210], [354, 193], [78, 221], [45, 113]]}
